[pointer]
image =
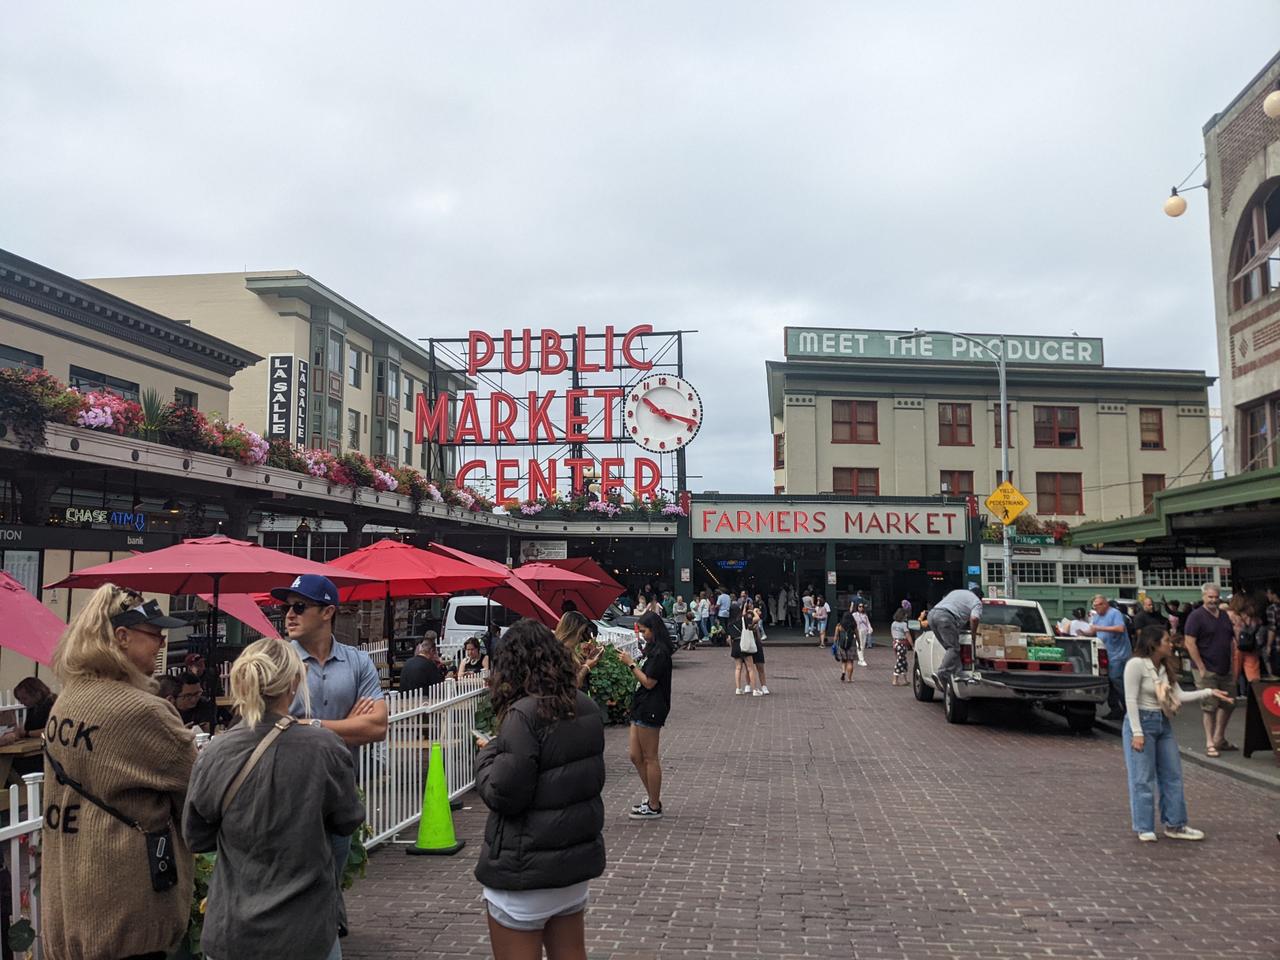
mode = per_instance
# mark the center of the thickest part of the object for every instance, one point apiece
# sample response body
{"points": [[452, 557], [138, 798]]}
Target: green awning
{"points": [[1236, 518]]}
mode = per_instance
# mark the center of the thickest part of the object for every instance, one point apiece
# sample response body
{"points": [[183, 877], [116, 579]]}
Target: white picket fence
{"points": [[393, 772], [20, 837]]}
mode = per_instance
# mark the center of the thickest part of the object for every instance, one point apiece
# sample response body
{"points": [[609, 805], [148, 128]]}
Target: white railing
{"points": [[392, 773], [22, 838], [12, 713]]}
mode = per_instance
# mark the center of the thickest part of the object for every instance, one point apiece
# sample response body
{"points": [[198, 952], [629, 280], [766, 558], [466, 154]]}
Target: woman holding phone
{"points": [[650, 706]]}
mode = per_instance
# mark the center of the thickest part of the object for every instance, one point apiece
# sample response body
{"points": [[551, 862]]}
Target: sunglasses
{"points": [[300, 608]]}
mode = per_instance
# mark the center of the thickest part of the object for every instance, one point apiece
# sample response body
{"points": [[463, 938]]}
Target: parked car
{"points": [[614, 617], [1072, 683]]}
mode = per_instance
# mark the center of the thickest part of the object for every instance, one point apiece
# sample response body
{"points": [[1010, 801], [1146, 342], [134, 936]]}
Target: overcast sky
{"points": [[729, 168]]}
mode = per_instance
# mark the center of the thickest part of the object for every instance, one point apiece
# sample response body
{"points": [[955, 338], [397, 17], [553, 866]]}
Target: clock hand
{"points": [[675, 416]]}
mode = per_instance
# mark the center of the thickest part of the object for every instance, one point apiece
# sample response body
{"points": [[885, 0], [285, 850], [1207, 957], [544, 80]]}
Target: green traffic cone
{"points": [[435, 827]]}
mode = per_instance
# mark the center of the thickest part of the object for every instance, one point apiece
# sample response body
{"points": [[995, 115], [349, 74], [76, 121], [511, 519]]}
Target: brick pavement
{"points": [[836, 821]]}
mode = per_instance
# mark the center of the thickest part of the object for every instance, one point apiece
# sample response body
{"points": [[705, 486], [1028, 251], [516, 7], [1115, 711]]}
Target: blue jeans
{"points": [[808, 624], [1157, 765], [341, 849]]}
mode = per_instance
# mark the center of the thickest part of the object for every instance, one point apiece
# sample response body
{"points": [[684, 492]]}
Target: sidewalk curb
{"points": [[1218, 765]]}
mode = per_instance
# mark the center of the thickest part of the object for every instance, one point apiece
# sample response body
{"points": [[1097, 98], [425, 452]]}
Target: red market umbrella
{"points": [[403, 570], [206, 565], [513, 593], [30, 628], [243, 607], [592, 597]]}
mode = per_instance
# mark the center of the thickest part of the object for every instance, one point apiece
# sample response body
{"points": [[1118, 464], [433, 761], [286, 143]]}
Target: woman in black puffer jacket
{"points": [[541, 778]]}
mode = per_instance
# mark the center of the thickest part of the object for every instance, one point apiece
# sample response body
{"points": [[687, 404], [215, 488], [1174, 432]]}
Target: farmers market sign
{"points": [[818, 343], [778, 520]]}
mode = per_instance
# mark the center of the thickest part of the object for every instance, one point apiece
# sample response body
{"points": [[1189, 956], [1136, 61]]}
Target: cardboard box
{"points": [[1015, 651], [989, 652], [1046, 653]]}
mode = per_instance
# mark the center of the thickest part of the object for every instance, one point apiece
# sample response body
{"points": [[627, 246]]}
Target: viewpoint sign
{"points": [[821, 521], [819, 343]]}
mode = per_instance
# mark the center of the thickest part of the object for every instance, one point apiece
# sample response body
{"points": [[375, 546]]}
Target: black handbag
{"points": [[1247, 642]]}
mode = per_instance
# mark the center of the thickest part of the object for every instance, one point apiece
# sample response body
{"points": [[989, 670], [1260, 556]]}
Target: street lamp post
{"points": [[1004, 425]]}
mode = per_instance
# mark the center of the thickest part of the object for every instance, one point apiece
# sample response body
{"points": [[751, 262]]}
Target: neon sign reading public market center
{"points": [[660, 413]]}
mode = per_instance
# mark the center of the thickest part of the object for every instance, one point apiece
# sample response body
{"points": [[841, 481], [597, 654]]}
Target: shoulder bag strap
{"points": [[60, 774], [281, 725]]}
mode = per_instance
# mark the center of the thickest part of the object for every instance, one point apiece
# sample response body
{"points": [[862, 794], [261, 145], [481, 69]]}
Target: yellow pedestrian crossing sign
{"points": [[1006, 502]]}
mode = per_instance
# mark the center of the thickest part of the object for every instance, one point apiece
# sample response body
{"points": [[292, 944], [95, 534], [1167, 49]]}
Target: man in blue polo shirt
{"points": [[345, 691], [1108, 623]]}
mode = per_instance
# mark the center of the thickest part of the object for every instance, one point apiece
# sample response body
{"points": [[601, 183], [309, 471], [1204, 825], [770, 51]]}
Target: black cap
{"points": [[148, 612]]}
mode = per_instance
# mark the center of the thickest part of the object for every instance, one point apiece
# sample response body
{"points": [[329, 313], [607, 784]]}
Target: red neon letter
{"points": [[542, 484], [468, 427], [505, 483], [552, 350], [608, 395], [526, 362], [431, 425], [572, 421], [647, 486], [461, 479], [538, 416], [820, 521], [580, 353], [608, 482], [576, 467], [630, 357], [479, 351], [706, 516], [608, 349], [500, 424]]}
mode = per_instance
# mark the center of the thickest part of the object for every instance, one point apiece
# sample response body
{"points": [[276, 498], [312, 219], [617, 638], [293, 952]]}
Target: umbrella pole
{"points": [[213, 620]]}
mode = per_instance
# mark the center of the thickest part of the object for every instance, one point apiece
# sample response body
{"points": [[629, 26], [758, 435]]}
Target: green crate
{"points": [[1046, 653]]}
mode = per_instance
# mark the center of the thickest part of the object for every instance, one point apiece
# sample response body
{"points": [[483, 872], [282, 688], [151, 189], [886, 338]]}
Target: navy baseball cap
{"points": [[314, 587], [148, 612]]}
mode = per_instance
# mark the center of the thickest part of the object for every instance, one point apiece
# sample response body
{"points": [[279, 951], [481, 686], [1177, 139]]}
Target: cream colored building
{"points": [[876, 416], [359, 378], [1242, 152]]}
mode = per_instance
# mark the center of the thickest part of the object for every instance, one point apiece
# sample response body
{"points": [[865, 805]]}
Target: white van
{"points": [[464, 617]]}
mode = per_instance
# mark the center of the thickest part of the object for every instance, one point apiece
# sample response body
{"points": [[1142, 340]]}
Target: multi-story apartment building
{"points": [[1242, 153], [336, 377], [898, 417]]}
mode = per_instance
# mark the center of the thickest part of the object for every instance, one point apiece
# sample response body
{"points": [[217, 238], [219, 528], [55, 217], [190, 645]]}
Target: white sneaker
{"points": [[765, 691], [862, 663], [739, 691], [1148, 837], [757, 693], [1183, 833]]}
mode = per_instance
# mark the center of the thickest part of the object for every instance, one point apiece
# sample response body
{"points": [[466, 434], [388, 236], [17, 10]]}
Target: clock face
{"points": [[663, 413]]}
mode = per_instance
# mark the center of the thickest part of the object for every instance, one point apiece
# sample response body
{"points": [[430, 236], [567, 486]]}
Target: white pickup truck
{"points": [[1073, 684]]}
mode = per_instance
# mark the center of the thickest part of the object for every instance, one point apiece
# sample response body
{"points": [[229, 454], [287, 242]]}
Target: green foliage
{"points": [[31, 398], [486, 720], [21, 935], [358, 858], [153, 414], [612, 685]]}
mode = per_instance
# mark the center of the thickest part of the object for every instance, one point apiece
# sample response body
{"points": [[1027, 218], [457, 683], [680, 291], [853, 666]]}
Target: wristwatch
{"points": [[315, 723]]}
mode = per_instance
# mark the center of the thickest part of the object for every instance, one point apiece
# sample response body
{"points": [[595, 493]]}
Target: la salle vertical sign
{"points": [[279, 395]]}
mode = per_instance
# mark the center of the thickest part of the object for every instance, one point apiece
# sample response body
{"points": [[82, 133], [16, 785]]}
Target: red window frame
{"points": [[1152, 483], [1055, 492], [779, 451], [855, 421], [955, 425], [959, 481], [1052, 422], [995, 427], [856, 478], [1151, 417]]}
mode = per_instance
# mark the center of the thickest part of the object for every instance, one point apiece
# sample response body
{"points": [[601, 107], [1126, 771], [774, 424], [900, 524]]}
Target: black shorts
{"points": [[735, 651]]}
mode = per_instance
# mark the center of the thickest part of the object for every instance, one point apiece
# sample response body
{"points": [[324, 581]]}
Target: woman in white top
{"points": [[821, 612], [863, 623], [1150, 748]]}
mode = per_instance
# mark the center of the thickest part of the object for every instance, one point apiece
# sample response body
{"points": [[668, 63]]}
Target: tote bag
{"points": [[748, 642]]}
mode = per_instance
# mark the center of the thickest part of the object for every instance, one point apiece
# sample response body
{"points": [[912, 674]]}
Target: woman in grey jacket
{"points": [[541, 778], [272, 893]]}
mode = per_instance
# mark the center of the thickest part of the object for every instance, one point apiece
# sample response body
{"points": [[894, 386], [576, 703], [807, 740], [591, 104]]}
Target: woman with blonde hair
{"points": [[266, 795], [578, 635], [115, 875]]}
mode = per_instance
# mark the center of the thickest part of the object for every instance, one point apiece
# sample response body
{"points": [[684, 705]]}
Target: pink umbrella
{"points": [[513, 593], [243, 608], [30, 628]]}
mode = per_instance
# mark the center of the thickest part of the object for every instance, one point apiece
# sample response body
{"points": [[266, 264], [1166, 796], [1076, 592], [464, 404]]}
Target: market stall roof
{"points": [[1235, 518]]}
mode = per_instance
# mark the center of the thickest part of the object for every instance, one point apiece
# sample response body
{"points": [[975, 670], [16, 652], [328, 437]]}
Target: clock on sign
{"points": [[663, 413]]}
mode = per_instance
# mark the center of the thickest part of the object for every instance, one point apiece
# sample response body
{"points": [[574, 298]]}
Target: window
{"points": [[1057, 426], [1151, 426], [422, 455], [353, 429], [380, 376], [859, 481], [1256, 453], [778, 491], [854, 421], [87, 380], [13, 358], [185, 398], [779, 451], [1100, 574], [408, 393], [955, 425], [1035, 571], [334, 361], [1152, 483], [1000, 477], [1187, 577], [1059, 494], [408, 448], [393, 385], [956, 483], [1255, 265], [390, 449], [995, 423], [354, 366], [333, 423]]}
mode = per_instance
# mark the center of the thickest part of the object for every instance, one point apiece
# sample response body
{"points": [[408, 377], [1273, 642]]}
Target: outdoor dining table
{"points": [[26, 747]]}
